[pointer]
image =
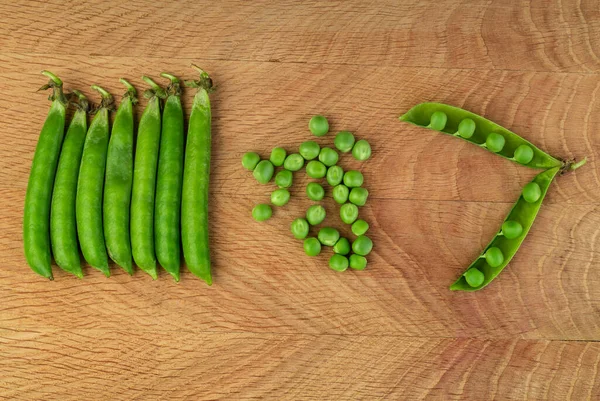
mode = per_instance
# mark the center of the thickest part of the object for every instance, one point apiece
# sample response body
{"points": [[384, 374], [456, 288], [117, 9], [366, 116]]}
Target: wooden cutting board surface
{"points": [[277, 324]]}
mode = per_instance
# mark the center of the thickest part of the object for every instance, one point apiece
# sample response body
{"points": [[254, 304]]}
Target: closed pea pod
{"points": [[144, 181], [90, 184], [118, 182], [36, 216], [63, 226], [169, 183]]}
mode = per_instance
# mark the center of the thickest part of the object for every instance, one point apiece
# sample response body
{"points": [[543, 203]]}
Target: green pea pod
{"points": [[196, 174], [167, 237], [63, 226], [476, 129], [90, 183], [118, 182], [522, 214], [36, 215], [144, 181]]}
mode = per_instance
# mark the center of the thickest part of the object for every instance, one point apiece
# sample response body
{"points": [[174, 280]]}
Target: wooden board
{"points": [[280, 325]]}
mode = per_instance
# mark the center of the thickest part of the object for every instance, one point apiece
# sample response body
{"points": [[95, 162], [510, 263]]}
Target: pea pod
{"points": [[144, 181], [505, 245], [480, 131], [168, 186], [90, 182], [63, 226], [36, 216], [118, 182], [196, 175]]}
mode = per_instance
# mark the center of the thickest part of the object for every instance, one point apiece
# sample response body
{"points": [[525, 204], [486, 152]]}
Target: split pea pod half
{"points": [[36, 216], [167, 211], [144, 181], [118, 182], [90, 183], [196, 174], [63, 225]]}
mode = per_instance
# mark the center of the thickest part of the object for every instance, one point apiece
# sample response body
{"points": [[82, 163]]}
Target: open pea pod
{"points": [[480, 131], [506, 243]]}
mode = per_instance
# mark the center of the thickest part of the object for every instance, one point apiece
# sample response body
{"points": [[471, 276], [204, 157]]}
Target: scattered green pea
{"points": [[340, 193], [361, 150], [315, 191], [293, 162], [338, 262], [299, 228], [532, 192], [309, 150], [349, 213], [474, 277], [315, 214], [328, 157], [250, 160], [262, 212], [494, 257], [280, 197], [328, 236], [360, 227], [284, 179], [342, 246], [438, 121], [344, 141], [263, 172], [362, 245], [312, 246], [466, 128], [353, 178], [335, 174], [278, 156], [512, 229], [358, 196], [316, 169], [523, 154], [495, 142], [318, 125], [358, 262]]}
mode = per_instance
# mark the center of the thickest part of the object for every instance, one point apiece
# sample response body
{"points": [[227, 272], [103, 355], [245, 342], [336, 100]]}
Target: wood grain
{"points": [[277, 324]]}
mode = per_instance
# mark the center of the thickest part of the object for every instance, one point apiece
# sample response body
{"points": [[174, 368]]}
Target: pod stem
{"points": [[155, 90], [205, 82], [82, 101], [57, 87], [131, 92], [174, 88], [107, 98], [571, 165]]}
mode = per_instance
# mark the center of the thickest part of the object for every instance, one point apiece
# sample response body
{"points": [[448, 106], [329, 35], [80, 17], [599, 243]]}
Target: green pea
{"points": [[335, 174], [328, 157], [474, 277], [293, 162], [353, 179], [299, 228], [312, 246], [358, 262], [466, 128], [338, 262], [438, 121], [340, 193], [264, 171], [328, 236], [349, 213], [358, 196], [494, 257], [362, 245], [523, 154], [309, 150], [315, 214], [280, 197], [316, 169], [344, 141], [284, 179], [360, 227], [361, 150], [250, 160], [315, 191], [495, 142], [278, 156], [512, 229], [318, 125], [342, 246], [532, 192], [262, 212]]}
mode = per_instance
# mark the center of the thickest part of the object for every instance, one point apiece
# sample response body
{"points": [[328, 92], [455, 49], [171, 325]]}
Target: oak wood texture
{"points": [[280, 325]]}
